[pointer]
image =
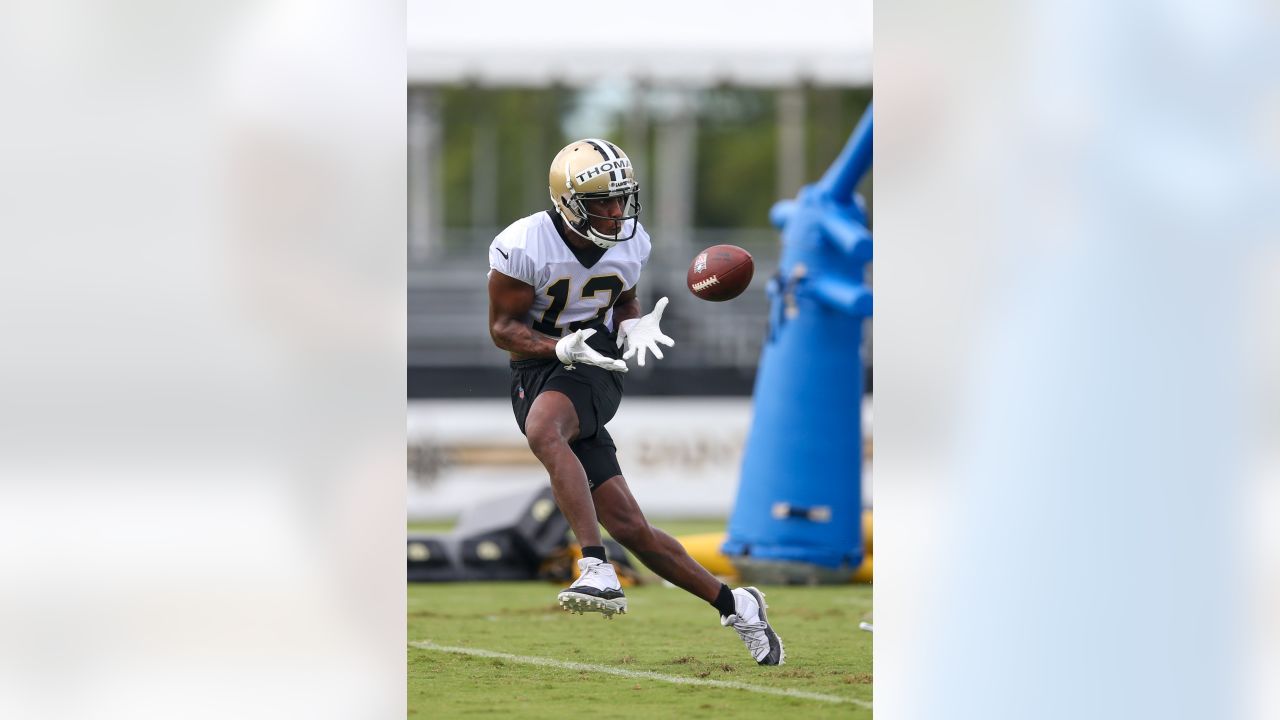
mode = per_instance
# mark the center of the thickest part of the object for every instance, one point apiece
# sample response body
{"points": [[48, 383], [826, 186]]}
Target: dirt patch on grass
{"points": [[809, 614], [552, 609]]}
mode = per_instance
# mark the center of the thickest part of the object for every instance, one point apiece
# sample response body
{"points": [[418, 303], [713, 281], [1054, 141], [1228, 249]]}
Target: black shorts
{"points": [[595, 393]]}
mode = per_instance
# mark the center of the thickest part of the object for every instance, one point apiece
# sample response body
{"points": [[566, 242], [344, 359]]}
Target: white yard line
{"points": [[637, 674]]}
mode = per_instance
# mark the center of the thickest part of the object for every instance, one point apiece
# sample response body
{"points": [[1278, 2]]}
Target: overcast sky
{"points": [[751, 42]]}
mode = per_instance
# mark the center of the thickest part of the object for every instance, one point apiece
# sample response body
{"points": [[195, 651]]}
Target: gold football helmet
{"points": [[594, 170]]}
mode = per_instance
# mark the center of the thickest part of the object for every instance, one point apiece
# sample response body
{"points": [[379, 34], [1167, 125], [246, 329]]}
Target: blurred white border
{"points": [[203, 459], [1075, 353]]}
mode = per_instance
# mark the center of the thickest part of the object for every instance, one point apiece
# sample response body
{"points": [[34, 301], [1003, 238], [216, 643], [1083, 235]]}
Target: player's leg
{"points": [[743, 609], [618, 511], [555, 420], [551, 425]]}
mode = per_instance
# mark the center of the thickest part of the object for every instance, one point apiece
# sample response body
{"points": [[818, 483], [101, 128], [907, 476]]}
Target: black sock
{"points": [[595, 551], [724, 601]]}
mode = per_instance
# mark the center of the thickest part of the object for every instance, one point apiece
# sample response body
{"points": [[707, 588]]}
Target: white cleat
{"points": [[596, 590], [753, 627]]}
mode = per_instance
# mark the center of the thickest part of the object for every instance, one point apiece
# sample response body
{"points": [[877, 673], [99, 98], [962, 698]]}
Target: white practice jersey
{"points": [[569, 295]]}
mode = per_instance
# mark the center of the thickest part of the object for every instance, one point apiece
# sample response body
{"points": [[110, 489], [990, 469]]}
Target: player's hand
{"points": [[643, 335], [573, 348]]}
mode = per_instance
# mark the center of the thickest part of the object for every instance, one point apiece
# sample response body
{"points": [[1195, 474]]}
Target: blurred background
{"points": [[712, 154], [722, 116]]}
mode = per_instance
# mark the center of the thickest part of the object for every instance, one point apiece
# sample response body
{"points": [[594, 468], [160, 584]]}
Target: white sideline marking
{"points": [[637, 674]]}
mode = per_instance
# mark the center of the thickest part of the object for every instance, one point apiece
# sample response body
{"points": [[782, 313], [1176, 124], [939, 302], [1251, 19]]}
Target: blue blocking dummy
{"points": [[799, 503]]}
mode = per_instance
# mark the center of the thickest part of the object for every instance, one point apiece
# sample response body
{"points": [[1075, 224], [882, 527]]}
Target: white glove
{"points": [[573, 348], [643, 334]]}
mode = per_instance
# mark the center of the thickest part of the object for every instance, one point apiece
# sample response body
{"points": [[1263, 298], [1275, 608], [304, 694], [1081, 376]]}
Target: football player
{"points": [[562, 302]]}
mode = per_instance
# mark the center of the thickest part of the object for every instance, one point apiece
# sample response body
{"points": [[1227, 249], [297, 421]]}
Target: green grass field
{"points": [[666, 631]]}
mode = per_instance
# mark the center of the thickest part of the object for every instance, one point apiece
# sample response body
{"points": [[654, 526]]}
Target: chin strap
{"points": [[599, 241]]}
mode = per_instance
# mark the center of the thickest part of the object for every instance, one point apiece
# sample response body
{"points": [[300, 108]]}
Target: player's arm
{"points": [[509, 303], [626, 308]]}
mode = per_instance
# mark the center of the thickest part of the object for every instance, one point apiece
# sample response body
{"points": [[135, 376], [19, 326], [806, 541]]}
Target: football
{"points": [[721, 272]]}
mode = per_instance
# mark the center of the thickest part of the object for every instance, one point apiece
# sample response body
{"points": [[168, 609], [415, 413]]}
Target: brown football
{"points": [[721, 272]]}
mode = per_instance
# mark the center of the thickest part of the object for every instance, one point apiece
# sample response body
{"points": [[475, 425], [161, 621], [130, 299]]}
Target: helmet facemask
{"points": [[626, 224]]}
